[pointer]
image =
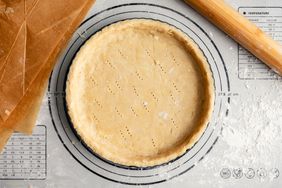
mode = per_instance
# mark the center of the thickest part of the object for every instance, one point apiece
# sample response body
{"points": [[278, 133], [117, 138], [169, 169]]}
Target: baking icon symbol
{"points": [[250, 173], [237, 173], [274, 173], [225, 173], [262, 173]]}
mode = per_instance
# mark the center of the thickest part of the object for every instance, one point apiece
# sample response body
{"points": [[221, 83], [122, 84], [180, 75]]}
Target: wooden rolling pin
{"points": [[241, 30]]}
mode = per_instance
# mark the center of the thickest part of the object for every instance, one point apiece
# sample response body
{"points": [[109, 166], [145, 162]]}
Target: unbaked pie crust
{"points": [[140, 93]]}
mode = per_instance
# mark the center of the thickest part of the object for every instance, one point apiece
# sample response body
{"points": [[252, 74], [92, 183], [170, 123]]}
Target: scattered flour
{"points": [[163, 115], [250, 139], [253, 136], [145, 103]]}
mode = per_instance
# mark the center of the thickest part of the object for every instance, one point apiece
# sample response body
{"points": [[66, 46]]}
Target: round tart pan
{"points": [[140, 93]]}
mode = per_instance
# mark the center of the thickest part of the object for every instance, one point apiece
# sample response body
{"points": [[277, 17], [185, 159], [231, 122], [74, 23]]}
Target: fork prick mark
{"points": [[154, 96], [110, 64], [135, 91], [174, 59], [134, 112], [175, 87], [121, 54], [128, 131], [161, 67], [117, 84], [172, 97], [148, 53], [153, 142], [98, 103], [138, 75], [110, 90], [122, 135], [118, 112]]}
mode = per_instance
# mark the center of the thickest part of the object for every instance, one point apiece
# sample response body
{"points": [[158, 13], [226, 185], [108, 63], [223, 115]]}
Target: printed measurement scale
{"points": [[24, 157], [269, 19]]}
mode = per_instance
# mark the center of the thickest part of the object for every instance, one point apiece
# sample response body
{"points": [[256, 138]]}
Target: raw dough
{"points": [[140, 93]]}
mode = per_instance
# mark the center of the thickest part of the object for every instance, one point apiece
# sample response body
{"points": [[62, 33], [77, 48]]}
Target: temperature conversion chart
{"points": [[269, 19], [24, 157]]}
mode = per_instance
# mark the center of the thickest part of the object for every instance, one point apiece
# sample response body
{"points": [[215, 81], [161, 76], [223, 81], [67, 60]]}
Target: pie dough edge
{"points": [[207, 75]]}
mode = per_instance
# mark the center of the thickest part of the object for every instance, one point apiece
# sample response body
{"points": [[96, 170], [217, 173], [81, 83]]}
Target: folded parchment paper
{"points": [[32, 33]]}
